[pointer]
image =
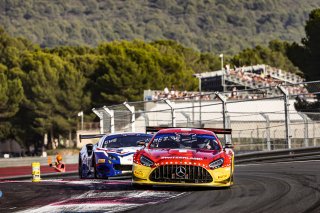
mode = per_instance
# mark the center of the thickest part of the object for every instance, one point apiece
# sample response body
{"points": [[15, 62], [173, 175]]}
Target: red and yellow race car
{"points": [[184, 157]]}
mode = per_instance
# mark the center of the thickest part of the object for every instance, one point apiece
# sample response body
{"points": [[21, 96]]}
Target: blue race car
{"points": [[111, 156]]}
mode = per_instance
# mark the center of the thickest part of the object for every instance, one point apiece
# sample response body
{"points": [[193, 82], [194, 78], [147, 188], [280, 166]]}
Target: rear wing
{"points": [[90, 136], [153, 129]]}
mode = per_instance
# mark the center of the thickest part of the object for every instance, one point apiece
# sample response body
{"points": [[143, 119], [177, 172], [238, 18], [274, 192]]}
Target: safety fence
{"points": [[261, 119]]}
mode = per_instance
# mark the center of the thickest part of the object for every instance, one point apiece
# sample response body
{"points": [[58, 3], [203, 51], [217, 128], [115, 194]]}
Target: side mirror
{"points": [[141, 143], [228, 145], [89, 149]]}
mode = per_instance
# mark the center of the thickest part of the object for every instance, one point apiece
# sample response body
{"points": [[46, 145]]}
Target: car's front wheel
{"points": [[95, 175], [232, 172]]}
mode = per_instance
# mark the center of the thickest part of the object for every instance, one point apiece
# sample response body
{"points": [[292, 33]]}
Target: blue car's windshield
{"points": [[185, 141], [117, 141]]}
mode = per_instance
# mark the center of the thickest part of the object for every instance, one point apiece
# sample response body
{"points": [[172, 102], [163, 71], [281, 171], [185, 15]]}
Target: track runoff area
{"points": [[266, 187]]}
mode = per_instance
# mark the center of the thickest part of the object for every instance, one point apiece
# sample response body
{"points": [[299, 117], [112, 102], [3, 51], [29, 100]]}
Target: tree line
{"points": [[43, 89], [207, 25]]}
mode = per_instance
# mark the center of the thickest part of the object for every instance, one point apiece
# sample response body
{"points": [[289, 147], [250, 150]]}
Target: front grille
{"points": [[181, 174], [122, 167]]}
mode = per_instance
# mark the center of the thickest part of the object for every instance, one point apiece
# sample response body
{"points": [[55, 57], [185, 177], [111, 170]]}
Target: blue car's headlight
{"points": [[146, 161], [216, 164]]}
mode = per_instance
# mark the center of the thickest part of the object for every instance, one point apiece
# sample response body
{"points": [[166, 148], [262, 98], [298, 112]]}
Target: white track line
{"points": [[287, 162], [105, 201]]}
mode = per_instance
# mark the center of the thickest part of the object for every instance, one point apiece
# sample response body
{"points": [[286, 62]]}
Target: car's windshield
{"points": [[185, 141], [117, 141]]}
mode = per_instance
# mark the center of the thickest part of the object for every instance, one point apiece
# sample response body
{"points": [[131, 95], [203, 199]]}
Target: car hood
{"points": [[178, 156], [121, 150]]}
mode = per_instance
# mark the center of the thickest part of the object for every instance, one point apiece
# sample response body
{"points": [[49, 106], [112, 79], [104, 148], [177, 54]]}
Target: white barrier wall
{"points": [[26, 161]]}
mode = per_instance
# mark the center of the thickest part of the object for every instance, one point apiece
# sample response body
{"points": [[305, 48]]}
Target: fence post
{"points": [[286, 111], [251, 137], [100, 115], [239, 136], [295, 133], [226, 119], [306, 130], [111, 114], [187, 117], [192, 101], [145, 116], [198, 75], [173, 114], [267, 129], [314, 134], [224, 108], [274, 139], [133, 118]]}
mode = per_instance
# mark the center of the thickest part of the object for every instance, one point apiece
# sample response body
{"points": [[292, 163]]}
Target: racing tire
{"points": [[231, 173], [80, 167], [231, 181], [95, 175]]}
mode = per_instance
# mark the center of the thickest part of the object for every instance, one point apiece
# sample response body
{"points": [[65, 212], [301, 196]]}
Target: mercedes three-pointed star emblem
{"points": [[180, 171]]}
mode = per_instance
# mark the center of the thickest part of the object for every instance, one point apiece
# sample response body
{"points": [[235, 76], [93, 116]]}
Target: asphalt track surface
{"points": [[269, 187]]}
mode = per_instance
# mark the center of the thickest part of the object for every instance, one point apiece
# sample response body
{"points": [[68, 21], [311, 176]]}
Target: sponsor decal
{"points": [[180, 158]]}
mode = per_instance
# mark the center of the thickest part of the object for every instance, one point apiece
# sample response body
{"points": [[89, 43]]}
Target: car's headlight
{"points": [[146, 161], [216, 164]]}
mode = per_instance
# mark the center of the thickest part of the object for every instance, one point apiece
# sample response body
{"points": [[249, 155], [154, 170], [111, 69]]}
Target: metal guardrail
{"points": [[308, 153]]}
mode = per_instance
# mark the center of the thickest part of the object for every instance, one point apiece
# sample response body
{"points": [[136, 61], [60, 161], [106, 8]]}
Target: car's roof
{"points": [[186, 130], [129, 134]]}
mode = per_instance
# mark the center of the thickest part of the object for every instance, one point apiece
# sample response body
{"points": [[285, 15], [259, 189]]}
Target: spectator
{"points": [[166, 91], [59, 166], [234, 92]]}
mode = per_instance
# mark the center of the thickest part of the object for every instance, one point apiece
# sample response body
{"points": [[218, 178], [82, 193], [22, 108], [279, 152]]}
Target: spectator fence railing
{"points": [[280, 121]]}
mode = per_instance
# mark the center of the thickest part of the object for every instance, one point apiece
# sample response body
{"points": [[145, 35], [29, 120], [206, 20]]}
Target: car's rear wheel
{"points": [[80, 167]]}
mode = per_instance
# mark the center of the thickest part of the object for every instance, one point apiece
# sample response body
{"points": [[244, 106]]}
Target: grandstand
{"points": [[254, 82], [250, 77]]}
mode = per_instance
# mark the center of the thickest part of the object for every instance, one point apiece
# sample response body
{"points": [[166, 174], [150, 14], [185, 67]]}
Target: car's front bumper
{"points": [[221, 177], [110, 170]]}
